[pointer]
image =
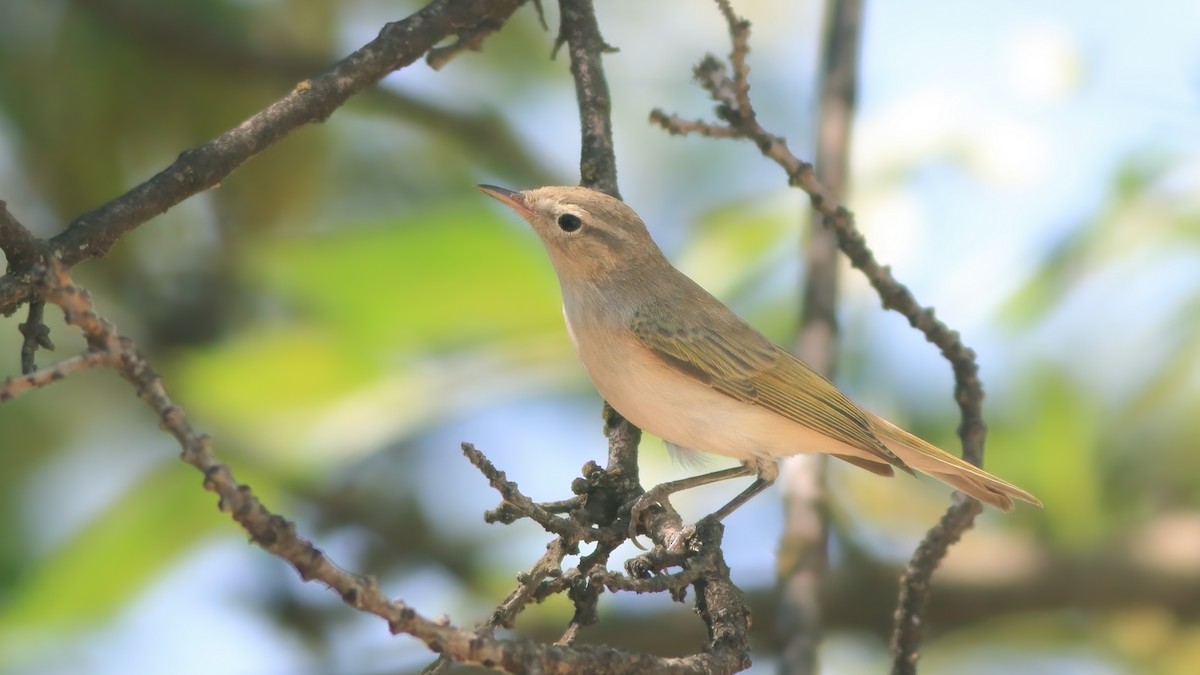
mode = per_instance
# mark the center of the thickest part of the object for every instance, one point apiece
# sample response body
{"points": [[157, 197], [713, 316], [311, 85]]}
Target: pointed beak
{"points": [[514, 200]]}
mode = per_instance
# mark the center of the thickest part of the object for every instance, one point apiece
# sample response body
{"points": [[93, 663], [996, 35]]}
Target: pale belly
{"points": [[688, 413]]}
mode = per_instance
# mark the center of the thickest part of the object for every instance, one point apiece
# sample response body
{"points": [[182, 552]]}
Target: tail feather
{"points": [[947, 468], [875, 467]]}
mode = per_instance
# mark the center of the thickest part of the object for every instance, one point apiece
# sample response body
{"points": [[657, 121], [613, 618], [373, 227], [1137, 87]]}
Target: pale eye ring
{"points": [[569, 222]]}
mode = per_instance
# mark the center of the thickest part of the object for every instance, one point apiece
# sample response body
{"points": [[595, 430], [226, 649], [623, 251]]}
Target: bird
{"points": [[677, 363]]}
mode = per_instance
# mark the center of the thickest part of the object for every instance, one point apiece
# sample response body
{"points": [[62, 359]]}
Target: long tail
{"points": [[947, 468]]}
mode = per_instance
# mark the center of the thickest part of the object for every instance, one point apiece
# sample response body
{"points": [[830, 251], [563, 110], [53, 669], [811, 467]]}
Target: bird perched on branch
{"points": [[678, 363]]}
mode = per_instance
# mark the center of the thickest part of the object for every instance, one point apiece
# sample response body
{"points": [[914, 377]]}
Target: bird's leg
{"points": [[765, 470]]}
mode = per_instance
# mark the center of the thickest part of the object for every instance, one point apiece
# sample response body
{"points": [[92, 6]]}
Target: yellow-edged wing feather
{"points": [[755, 370]]}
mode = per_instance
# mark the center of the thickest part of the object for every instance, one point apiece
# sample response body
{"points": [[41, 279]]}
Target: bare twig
{"points": [[17, 242], [719, 603], [523, 505], [731, 95], [23, 251], [605, 490], [677, 126], [580, 32], [908, 630], [398, 45], [610, 488], [593, 518], [15, 386], [470, 39], [547, 567], [838, 91], [546, 577], [675, 584], [531, 586], [36, 336]]}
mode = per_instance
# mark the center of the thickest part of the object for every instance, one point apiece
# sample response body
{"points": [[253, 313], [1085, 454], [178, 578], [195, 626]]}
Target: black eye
{"points": [[569, 222]]}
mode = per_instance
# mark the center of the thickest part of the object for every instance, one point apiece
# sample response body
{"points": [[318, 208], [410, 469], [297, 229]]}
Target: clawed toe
{"points": [[637, 512]]}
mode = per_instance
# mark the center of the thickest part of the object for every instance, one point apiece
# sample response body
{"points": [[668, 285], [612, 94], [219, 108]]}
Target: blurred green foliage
{"points": [[345, 308]]}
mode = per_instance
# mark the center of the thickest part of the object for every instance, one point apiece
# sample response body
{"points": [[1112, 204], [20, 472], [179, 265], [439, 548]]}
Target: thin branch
{"points": [[730, 93], [908, 629], [546, 577], [36, 336], [17, 242], [531, 588], [522, 505], [697, 551], [23, 251], [677, 126], [470, 39], [528, 589], [581, 33], [15, 386], [739, 33], [675, 584], [610, 488], [618, 484], [399, 44]]}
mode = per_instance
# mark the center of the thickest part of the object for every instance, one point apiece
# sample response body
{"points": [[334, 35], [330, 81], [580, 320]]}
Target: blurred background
{"points": [[346, 309]]}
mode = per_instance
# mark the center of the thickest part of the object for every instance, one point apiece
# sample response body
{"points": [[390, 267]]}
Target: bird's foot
{"points": [[642, 506]]}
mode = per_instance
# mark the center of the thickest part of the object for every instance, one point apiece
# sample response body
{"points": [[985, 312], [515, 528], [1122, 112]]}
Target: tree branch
{"points": [[36, 335], [15, 386], [517, 505], [278, 536], [483, 134], [23, 250], [857, 599], [18, 243], [731, 93], [581, 33], [399, 44]]}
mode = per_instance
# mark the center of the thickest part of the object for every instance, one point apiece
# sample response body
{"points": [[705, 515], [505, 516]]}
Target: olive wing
{"points": [[741, 363]]}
